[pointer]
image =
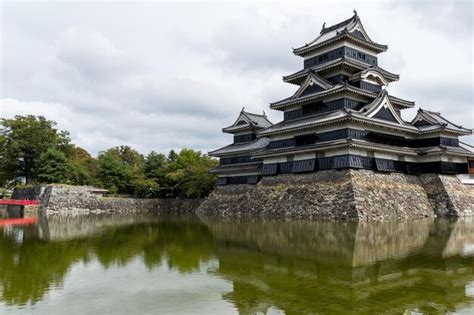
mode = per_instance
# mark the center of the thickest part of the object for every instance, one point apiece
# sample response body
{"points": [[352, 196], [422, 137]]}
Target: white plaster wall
{"points": [[305, 156], [270, 160]]}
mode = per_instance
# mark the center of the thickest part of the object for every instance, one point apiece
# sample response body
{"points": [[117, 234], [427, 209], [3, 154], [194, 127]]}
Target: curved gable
{"points": [[382, 108], [375, 76], [313, 84]]}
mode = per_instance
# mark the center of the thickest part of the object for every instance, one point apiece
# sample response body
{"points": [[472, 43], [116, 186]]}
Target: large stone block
{"points": [[346, 194]]}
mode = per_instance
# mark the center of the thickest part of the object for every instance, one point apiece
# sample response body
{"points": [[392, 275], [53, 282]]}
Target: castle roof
{"points": [[351, 29], [244, 147], [377, 74], [426, 120], [236, 168], [338, 88], [248, 120], [297, 77], [367, 115]]}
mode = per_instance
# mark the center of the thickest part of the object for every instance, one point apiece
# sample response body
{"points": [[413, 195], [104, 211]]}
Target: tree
{"points": [[52, 167], [82, 168], [23, 140], [120, 168], [155, 170], [190, 173], [112, 173], [155, 165], [144, 187]]}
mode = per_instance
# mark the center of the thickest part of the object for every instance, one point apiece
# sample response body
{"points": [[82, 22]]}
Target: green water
{"points": [[151, 265]]}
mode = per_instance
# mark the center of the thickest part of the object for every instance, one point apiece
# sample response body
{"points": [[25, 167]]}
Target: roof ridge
{"points": [[429, 111], [338, 25], [249, 113]]}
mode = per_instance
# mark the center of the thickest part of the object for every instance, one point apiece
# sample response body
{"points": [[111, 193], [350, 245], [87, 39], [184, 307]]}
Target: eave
{"points": [[304, 50], [240, 148], [353, 116], [235, 168], [234, 129], [312, 97], [297, 77], [444, 124], [445, 150], [401, 102], [334, 145]]}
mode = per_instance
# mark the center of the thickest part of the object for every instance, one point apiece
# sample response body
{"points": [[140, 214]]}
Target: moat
{"points": [[124, 264]]}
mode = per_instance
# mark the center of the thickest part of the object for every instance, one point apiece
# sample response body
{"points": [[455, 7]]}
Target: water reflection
{"points": [[295, 267]]}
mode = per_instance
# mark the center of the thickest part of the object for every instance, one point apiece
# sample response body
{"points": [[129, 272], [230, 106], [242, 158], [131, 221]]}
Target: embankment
{"points": [[346, 194], [72, 200]]}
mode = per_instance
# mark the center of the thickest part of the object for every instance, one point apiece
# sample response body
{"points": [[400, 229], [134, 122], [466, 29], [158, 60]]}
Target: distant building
{"points": [[342, 117]]}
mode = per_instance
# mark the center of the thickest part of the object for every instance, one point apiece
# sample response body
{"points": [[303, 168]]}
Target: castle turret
{"points": [[236, 165]]}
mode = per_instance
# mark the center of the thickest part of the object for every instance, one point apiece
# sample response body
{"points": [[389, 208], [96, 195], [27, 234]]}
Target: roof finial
{"points": [[264, 113], [355, 12], [324, 26], [243, 109]]}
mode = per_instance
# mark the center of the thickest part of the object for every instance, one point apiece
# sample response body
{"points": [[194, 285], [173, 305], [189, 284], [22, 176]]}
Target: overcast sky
{"points": [[159, 75]]}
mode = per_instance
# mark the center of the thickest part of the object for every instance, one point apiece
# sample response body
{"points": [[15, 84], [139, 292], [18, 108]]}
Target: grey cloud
{"points": [[454, 18], [160, 76]]}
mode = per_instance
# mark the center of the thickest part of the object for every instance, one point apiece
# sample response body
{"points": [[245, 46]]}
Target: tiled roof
{"points": [[336, 144], [382, 99], [313, 96], [380, 74], [236, 167], [339, 115], [342, 29], [440, 149], [258, 120], [296, 77], [250, 121], [303, 122], [430, 119], [251, 146]]}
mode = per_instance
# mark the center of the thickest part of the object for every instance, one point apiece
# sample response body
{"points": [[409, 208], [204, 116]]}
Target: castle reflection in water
{"points": [[296, 267]]}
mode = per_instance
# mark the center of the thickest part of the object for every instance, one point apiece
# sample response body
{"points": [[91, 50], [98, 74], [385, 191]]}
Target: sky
{"points": [[168, 75]]}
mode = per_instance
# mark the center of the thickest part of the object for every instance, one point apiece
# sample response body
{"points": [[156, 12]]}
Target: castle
{"points": [[341, 117]]}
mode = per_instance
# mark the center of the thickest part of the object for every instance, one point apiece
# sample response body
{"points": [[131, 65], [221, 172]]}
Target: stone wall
{"points": [[324, 194], [448, 196], [28, 192], [66, 199], [387, 196], [346, 194]]}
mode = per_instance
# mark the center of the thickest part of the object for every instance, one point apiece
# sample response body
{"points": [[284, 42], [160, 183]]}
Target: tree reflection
{"points": [[297, 267], [29, 269]]}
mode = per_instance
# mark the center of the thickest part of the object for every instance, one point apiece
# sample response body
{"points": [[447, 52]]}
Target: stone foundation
{"points": [[448, 196], [73, 200], [345, 194]]}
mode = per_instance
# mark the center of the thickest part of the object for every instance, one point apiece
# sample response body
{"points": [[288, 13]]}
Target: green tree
{"points": [[121, 170], [83, 168], [156, 165], [190, 173], [112, 173], [23, 140], [52, 167]]}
